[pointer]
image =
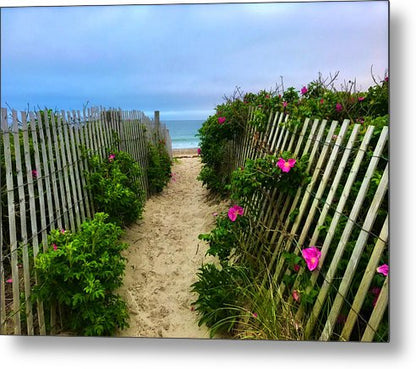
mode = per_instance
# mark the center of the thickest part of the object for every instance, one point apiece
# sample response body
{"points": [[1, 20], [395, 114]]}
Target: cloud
{"points": [[183, 58]]}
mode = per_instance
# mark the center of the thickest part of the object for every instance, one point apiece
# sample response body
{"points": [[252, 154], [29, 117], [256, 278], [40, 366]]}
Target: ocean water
{"points": [[183, 133]]}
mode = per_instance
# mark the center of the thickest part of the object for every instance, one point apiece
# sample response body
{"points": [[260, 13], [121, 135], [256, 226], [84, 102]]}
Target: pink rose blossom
{"points": [[284, 104], [9, 280], [338, 107], [111, 157], [386, 79], [254, 315], [321, 101], [311, 256], [35, 173], [284, 165], [383, 269], [296, 268], [221, 120], [54, 247], [63, 231], [361, 98], [234, 211], [296, 295], [304, 90]]}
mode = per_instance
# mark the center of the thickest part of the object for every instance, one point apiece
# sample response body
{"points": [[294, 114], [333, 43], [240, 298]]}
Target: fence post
{"points": [[157, 124]]}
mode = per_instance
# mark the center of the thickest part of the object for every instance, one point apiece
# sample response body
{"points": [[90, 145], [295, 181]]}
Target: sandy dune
{"points": [[164, 256]]}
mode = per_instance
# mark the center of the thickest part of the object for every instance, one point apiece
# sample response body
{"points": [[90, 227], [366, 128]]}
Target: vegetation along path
{"points": [[164, 256]]}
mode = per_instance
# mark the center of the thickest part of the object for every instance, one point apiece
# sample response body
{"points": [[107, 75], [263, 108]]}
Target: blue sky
{"points": [[182, 59]]}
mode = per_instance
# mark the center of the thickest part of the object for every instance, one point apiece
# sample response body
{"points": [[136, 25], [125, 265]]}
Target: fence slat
{"points": [[52, 172], [378, 312], [23, 227], [39, 180], [75, 174], [79, 141], [33, 216], [12, 224]]}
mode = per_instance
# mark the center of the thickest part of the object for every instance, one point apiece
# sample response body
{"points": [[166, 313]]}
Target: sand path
{"points": [[164, 256]]}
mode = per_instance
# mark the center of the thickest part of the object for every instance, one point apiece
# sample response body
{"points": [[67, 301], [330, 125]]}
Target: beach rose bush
{"points": [[159, 167], [79, 273], [114, 183], [216, 136], [282, 172]]}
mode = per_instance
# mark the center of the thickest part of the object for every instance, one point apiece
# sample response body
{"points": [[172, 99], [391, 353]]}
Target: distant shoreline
{"points": [[183, 153]]}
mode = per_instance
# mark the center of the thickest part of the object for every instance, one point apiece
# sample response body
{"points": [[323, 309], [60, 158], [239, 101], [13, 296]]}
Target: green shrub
{"points": [[218, 292], [225, 237], [264, 174], [115, 187], [159, 167], [80, 272], [215, 138]]}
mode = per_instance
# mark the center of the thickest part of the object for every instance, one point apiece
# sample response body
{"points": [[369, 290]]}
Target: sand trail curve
{"points": [[164, 256]]}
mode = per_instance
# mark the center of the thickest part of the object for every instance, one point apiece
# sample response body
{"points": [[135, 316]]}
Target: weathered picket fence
{"points": [[43, 187], [341, 158]]}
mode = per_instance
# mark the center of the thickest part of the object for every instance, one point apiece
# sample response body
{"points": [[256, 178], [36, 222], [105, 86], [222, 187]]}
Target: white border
{"points": [[49, 352]]}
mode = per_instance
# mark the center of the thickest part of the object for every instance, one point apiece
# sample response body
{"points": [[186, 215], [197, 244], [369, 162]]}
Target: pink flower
{"points": [[304, 90], [338, 107], [284, 165], [54, 247], [34, 173], [198, 151], [9, 280], [254, 315], [311, 256], [267, 97], [386, 79], [361, 98], [111, 157], [234, 211], [63, 231], [296, 268], [296, 295], [284, 104], [214, 214], [360, 120], [321, 101], [221, 120], [383, 269]]}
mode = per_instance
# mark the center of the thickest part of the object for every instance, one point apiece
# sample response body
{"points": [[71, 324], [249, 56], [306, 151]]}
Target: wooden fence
{"points": [[43, 187], [334, 212]]}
